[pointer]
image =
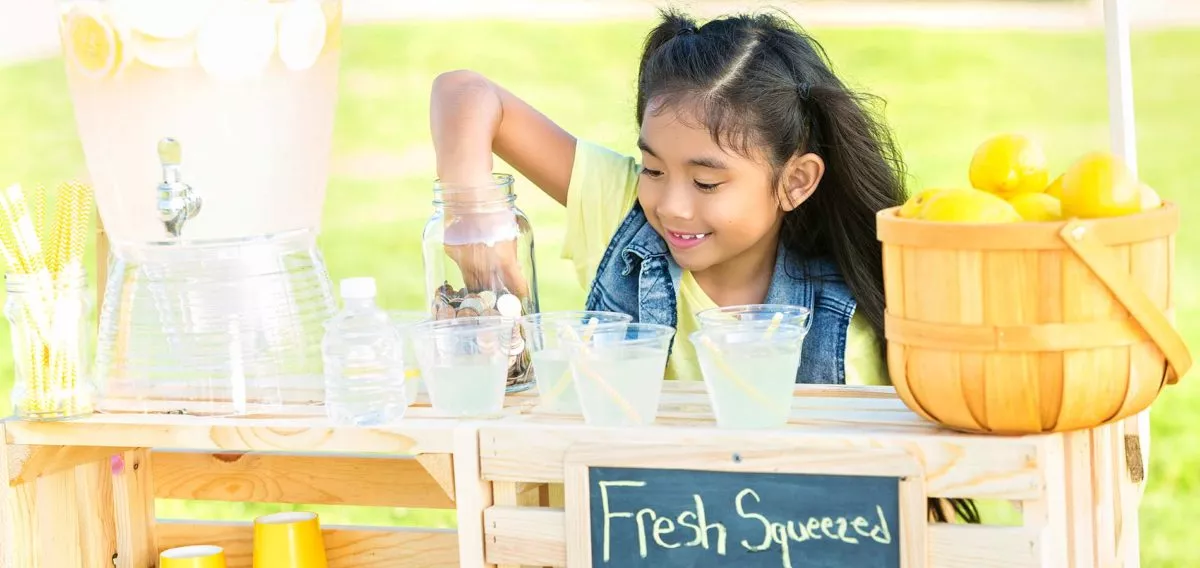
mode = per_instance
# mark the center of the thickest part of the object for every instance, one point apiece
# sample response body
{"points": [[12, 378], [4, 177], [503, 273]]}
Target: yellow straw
{"points": [[565, 380], [612, 392], [741, 383], [775, 321]]}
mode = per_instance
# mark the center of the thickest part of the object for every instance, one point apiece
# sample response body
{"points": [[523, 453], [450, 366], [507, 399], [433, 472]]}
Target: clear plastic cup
{"points": [[750, 371], [464, 363], [799, 316], [404, 321], [544, 338], [618, 371]]}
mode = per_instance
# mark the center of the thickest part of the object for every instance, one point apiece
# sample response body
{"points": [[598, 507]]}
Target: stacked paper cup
{"points": [[289, 540], [198, 556]]}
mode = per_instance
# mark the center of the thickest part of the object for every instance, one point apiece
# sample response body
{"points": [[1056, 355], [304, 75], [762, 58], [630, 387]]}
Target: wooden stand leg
{"points": [[69, 506], [472, 496]]}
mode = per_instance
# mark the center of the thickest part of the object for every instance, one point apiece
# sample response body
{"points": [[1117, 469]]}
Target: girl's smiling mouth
{"points": [[685, 240]]}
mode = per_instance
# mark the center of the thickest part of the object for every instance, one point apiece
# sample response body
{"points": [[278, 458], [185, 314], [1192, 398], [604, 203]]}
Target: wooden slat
{"points": [[244, 434], [27, 463], [536, 536], [955, 465], [304, 479], [346, 547]]}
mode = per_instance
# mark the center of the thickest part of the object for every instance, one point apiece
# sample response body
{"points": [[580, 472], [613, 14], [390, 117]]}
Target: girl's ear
{"points": [[799, 180]]}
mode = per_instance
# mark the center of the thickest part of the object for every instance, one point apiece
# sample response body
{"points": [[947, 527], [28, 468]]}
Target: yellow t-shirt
{"points": [[603, 189]]}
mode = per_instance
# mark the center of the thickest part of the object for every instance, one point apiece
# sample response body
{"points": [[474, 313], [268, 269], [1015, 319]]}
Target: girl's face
{"points": [[709, 205]]}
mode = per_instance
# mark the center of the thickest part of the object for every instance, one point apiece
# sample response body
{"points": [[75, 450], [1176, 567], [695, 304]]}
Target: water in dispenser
{"points": [[206, 128]]}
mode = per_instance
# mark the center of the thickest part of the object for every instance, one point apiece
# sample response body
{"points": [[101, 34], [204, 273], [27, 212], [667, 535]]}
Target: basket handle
{"points": [[1095, 255]]}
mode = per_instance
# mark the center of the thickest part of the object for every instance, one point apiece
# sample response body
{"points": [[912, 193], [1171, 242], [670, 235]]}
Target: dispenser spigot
{"points": [[177, 201]]}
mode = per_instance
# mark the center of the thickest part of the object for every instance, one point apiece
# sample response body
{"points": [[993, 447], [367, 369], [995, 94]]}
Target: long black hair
{"points": [[763, 87]]}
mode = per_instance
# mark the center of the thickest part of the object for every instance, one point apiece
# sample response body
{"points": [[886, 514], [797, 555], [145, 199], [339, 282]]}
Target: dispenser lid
{"points": [[358, 288]]}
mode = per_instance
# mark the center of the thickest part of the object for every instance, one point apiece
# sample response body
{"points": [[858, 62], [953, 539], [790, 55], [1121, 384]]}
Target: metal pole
{"points": [[1120, 82]]}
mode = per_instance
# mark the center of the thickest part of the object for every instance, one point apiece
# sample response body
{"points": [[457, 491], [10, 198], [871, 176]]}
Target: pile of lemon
{"points": [[1010, 183]]}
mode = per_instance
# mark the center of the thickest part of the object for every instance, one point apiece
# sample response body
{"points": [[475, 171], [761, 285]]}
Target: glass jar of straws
{"points": [[50, 329], [47, 305]]}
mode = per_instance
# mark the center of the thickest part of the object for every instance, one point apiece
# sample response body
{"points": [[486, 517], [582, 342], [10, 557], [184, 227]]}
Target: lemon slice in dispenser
{"points": [[162, 53], [92, 43], [302, 34], [163, 19], [238, 40]]}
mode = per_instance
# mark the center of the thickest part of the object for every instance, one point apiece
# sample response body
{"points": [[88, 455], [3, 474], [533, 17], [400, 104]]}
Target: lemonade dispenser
{"points": [[206, 127]]}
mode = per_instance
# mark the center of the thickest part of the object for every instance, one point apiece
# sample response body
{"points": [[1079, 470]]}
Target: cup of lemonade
{"points": [[404, 321], [545, 335], [464, 363], [784, 314], [750, 371], [618, 370]]}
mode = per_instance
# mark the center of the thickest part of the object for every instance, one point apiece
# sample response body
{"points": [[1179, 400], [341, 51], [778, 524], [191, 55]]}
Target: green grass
{"points": [[945, 90]]}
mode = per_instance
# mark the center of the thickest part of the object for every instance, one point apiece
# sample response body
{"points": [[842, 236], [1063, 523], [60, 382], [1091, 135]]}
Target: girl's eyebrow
{"points": [[702, 161]]}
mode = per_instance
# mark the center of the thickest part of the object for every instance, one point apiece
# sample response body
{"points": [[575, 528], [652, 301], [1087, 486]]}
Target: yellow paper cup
{"points": [[289, 540], [198, 556]]}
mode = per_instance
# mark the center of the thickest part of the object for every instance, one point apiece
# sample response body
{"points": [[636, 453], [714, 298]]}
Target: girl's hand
{"points": [[484, 246]]}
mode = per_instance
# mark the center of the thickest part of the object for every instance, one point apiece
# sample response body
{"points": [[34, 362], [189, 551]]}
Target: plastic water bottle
{"points": [[364, 362]]}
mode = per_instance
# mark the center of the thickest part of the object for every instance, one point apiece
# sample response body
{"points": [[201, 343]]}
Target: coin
{"points": [[466, 313], [444, 312], [488, 298], [472, 303], [518, 345], [492, 312], [509, 306]]}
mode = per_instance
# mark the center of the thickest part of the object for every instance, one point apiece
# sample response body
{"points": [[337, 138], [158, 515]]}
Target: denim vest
{"points": [[637, 276]]}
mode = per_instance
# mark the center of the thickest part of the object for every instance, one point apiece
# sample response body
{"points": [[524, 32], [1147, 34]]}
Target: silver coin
{"points": [[488, 299], [509, 306], [471, 303]]}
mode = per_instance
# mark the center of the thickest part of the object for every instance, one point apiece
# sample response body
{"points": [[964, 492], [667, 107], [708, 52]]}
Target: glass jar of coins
{"points": [[477, 251]]}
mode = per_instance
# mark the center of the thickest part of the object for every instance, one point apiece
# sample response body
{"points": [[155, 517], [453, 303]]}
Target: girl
{"points": [[759, 180]]}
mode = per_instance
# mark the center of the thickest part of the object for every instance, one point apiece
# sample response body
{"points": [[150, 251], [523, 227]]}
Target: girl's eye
{"points": [[706, 186], [652, 174]]}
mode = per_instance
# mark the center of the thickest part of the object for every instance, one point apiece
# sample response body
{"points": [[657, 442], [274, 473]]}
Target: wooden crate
{"points": [[1074, 492], [67, 505]]}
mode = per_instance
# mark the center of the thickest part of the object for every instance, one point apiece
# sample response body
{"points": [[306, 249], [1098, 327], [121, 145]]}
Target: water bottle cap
{"points": [[361, 288]]}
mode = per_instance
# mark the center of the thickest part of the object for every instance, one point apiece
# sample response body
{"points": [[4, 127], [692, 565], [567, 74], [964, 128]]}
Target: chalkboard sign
{"points": [[680, 517]]}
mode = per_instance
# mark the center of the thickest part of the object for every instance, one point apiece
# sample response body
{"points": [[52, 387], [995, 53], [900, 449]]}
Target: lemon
{"points": [[1009, 164], [238, 40], [162, 53], [1055, 188], [968, 206], [333, 26], [1150, 198], [912, 207], [91, 41], [1099, 184], [1037, 207], [302, 34], [163, 19]]}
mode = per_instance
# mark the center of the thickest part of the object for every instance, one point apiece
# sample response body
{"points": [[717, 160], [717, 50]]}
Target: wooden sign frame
{"points": [[737, 456]]}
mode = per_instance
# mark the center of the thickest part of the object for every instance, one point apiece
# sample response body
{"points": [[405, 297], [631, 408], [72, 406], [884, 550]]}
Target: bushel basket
{"points": [[1031, 327]]}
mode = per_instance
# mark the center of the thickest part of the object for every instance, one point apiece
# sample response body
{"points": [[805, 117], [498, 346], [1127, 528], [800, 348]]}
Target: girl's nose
{"points": [[676, 203]]}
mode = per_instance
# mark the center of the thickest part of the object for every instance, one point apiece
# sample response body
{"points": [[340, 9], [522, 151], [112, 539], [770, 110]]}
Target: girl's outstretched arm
{"points": [[471, 117]]}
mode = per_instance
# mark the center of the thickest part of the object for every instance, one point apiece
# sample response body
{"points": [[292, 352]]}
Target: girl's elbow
{"points": [[460, 83]]}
